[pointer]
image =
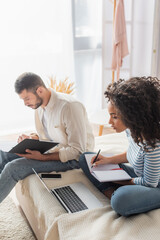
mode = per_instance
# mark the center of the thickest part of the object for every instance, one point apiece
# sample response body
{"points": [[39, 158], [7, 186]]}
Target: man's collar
{"points": [[52, 100]]}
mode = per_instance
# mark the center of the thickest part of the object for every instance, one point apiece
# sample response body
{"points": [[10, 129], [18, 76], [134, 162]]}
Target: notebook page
{"points": [[104, 167], [111, 175]]}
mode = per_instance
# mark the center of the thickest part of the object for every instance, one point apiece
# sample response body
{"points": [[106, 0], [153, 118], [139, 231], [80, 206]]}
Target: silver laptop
{"points": [[74, 197]]}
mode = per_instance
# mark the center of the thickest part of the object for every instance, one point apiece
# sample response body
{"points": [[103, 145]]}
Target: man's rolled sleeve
{"points": [[74, 120]]}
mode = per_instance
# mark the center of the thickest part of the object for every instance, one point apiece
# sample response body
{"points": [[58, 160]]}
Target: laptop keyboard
{"points": [[70, 198]]}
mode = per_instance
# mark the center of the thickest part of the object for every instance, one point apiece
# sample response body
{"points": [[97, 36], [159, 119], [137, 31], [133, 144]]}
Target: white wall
{"points": [[38, 37], [35, 37]]}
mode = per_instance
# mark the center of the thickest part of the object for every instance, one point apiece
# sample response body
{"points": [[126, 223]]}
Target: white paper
{"points": [[112, 175]]}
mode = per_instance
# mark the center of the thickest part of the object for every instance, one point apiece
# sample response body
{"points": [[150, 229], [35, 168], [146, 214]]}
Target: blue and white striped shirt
{"points": [[146, 164]]}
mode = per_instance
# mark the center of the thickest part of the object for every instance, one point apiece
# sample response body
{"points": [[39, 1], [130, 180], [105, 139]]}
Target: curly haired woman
{"points": [[134, 106]]}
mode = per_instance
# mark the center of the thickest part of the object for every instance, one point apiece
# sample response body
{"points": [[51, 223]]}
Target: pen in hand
{"points": [[96, 158]]}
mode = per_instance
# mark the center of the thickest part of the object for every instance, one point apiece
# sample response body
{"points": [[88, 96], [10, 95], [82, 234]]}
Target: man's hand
{"points": [[22, 137], [30, 154], [31, 136]]}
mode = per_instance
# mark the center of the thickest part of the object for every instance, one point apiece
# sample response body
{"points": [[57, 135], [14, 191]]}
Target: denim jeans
{"points": [[129, 199], [14, 168]]}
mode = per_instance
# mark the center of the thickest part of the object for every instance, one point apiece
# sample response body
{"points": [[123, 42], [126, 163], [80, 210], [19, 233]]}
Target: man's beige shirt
{"points": [[67, 124]]}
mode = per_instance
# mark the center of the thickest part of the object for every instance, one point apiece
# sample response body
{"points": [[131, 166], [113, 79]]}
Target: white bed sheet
{"points": [[49, 221]]}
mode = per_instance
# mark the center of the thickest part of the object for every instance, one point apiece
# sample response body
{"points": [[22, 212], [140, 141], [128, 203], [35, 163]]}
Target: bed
{"points": [[50, 221]]}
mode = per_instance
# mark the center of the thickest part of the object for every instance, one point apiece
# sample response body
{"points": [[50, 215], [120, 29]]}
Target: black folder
{"points": [[32, 144]]}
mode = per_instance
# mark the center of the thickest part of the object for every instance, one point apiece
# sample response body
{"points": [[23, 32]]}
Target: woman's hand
{"points": [[127, 182], [116, 159], [100, 160]]}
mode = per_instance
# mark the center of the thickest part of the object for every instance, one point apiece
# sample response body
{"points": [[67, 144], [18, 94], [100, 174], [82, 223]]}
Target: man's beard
{"points": [[38, 103]]}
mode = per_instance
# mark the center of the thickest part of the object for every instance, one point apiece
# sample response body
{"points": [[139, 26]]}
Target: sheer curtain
{"points": [[36, 36], [87, 19]]}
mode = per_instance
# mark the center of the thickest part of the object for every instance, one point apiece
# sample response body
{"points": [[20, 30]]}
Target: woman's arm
{"points": [[120, 158], [151, 168], [127, 182]]}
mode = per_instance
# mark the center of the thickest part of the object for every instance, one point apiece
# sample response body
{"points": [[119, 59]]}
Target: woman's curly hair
{"points": [[138, 103]]}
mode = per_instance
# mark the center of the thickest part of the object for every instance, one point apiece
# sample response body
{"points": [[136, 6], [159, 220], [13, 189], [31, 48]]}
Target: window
{"points": [[87, 35]]}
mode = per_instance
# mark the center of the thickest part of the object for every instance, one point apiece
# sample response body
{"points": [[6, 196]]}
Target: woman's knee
{"points": [[121, 200]]}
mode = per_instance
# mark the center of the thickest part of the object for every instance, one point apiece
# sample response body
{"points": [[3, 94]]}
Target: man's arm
{"points": [[75, 127], [74, 121], [36, 155]]}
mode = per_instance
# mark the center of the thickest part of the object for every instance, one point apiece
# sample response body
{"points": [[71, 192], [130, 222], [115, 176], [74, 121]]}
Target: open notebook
{"points": [[106, 172], [74, 197]]}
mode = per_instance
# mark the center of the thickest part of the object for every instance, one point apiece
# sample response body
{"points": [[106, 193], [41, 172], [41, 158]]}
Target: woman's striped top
{"points": [[146, 164]]}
